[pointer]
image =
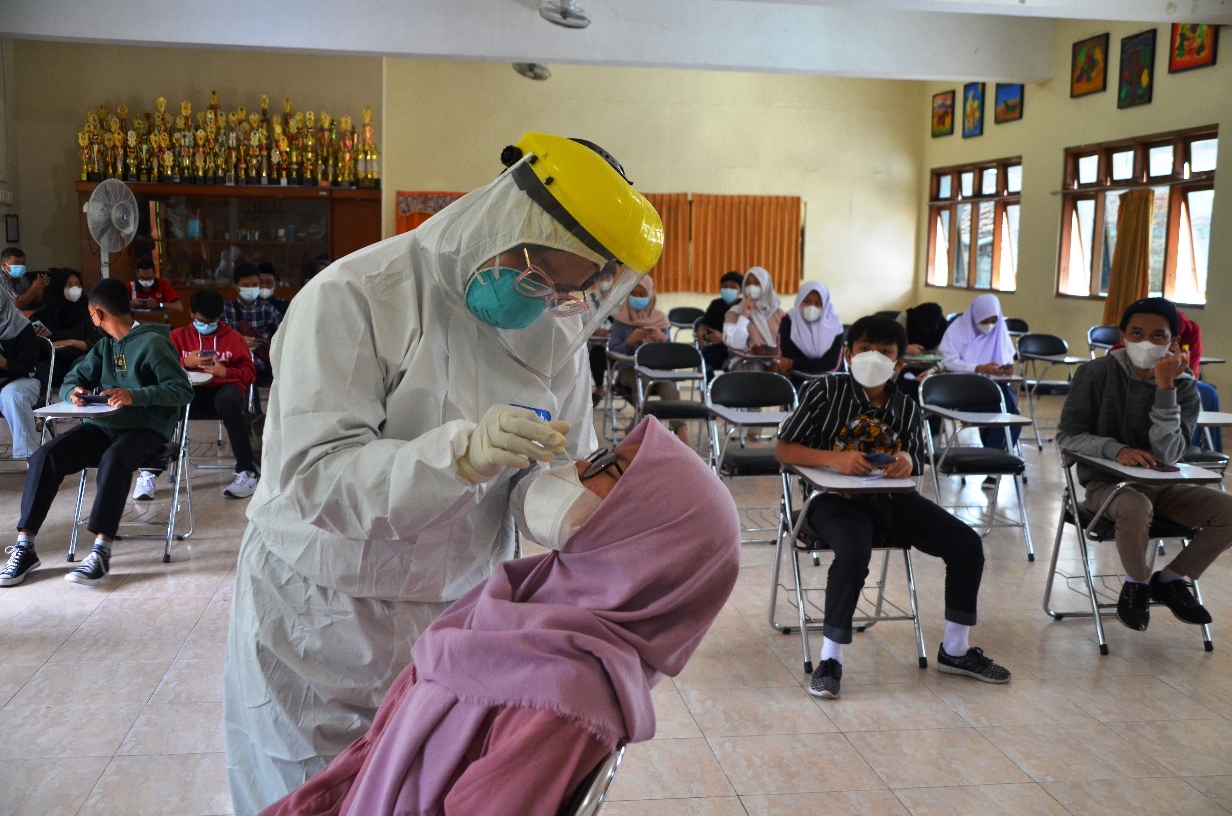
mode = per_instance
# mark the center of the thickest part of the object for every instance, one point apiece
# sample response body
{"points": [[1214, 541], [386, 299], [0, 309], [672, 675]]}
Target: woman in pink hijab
{"points": [[527, 682]]}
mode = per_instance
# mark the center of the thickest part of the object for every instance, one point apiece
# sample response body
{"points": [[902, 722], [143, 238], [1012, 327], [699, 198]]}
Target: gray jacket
{"points": [[1109, 408]]}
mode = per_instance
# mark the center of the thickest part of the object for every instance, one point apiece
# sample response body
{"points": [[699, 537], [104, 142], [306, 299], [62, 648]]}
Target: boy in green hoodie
{"points": [[138, 369]]}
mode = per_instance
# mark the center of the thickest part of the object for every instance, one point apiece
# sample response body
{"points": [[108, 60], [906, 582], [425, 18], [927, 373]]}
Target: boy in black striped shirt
{"points": [[840, 421]]}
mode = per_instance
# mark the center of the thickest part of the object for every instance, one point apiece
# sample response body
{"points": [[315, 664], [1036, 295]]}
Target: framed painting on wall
{"points": [[1193, 46], [943, 114], [1088, 70], [1137, 79], [1007, 105], [973, 109]]}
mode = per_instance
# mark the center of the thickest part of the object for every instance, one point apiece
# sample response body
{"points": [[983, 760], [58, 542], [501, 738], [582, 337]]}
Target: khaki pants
{"points": [[1192, 505]]}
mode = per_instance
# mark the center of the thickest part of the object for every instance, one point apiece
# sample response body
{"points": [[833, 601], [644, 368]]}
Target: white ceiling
{"points": [[894, 39]]}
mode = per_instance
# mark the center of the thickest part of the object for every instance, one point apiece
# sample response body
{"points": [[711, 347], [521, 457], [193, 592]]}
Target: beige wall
{"points": [[849, 147], [1052, 122], [58, 83]]}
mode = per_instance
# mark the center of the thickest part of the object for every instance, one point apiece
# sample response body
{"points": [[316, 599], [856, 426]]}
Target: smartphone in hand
{"points": [[879, 459], [1162, 468], [94, 399]]}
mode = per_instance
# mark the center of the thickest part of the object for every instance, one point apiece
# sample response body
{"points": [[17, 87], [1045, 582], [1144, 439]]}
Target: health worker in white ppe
{"points": [[393, 434]]}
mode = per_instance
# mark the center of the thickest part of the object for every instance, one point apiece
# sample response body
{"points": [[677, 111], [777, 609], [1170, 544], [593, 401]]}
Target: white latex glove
{"points": [[509, 437]]}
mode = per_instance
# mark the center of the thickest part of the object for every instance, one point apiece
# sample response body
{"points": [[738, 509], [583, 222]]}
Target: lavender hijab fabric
{"points": [[964, 346], [815, 339], [584, 633]]}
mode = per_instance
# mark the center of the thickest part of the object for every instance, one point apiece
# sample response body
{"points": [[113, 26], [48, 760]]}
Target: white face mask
{"points": [[872, 369], [752, 292], [1145, 353], [72, 294], [605, 285], [145, 284], [552, 505], [249, 293], [266, 293], [811, 314], [985, 328]]}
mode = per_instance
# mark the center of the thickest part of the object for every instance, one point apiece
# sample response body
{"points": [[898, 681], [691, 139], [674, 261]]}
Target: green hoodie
{"points": [[144, 362]]}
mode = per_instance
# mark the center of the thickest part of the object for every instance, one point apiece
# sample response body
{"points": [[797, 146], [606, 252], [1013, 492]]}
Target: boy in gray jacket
{"points": [[1139, 405]]}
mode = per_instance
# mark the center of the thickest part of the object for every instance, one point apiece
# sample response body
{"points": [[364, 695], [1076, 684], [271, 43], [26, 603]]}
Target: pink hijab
{"points": [[585, 633], [964, 346], [648, 318]]}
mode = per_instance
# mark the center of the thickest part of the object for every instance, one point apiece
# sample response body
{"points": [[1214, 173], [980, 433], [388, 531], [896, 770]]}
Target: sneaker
{"points": [[991, 483], [21, 561], [1133, 607], [94, 568], [145, 486], [972, 664], [245, 485], [826, 680], [1177, 596]]}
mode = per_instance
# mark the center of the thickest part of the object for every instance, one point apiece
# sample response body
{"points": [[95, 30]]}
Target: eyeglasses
{"points": [[600, 461], [534, 283]]}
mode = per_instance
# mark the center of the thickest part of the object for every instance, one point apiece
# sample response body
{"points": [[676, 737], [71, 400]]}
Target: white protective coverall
{"points": [[362, 531]]}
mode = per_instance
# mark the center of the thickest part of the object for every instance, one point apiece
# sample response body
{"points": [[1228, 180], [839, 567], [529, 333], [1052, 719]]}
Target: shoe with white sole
{"points": [[145, 486], [245, 485], [94, 568], [22, 559]]}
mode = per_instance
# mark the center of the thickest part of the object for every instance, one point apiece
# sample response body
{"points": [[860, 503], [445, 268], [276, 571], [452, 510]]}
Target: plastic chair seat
{"points": [[749, 462], [1161, 527], [1211, 460], [980, 461], [676, 409]]}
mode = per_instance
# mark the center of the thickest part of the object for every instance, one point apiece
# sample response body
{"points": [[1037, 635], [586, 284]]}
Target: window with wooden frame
{"points": [[973, 225], [1180, 168]]}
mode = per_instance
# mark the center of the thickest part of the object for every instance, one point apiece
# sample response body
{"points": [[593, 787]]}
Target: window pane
{"points": [[1159, 160], [1088, 169], [1159, 240], [1202, 155], [968, 184], [989, 185], [1082, 223], [1123, 165], [1013, 178], [963, 250], [1009, 250], [1193, 247], [983, 245], [1112, 207], [938, 267], [943, 186]]}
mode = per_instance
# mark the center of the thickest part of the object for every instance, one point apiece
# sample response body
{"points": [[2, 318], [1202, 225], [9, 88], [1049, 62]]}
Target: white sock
{"points": [[25, 540], [1166, 575], [955, 640], [831, 650], [103, 544], [1129, 580]]}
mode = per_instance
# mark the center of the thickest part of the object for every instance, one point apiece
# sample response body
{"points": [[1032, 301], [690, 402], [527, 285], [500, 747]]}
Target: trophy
{"points": [[168, 158], [295, 130], [284, 151], [254, 156], [232, 158], [346, 153], [107, 156], [143, 167], [310, 148], [327, 139], [370, 175], [199, 157], [122, 112], [214, 109], [286, 113], [96, 148], [83, 141], [132, 156]]}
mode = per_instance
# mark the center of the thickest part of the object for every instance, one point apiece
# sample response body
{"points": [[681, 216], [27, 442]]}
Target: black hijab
{"points": [[57, 313], [926, 325]]}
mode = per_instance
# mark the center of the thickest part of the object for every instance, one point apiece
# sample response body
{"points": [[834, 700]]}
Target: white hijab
{"points": [[965, 343], [764, 308], [816, 338]]}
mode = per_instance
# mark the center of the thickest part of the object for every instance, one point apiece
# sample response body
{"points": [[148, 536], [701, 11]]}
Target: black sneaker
{"points": [[1176, 595], [826, 680], [94, 568], [22, 559], [972, 664], [1133, 607]]}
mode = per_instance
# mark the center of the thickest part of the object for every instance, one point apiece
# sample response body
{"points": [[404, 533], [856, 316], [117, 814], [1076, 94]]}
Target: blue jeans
{"points": [[17, 401], [995, 437], [1210, 402]]}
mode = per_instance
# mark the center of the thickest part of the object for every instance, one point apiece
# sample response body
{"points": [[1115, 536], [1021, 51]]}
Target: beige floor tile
{"points": [[98, 642], [1216, 788], [793, 764], [1133, 698], [1212, 690], [129, 683], [1072, 751], [205, 642], [177, 728], [891, 707], [1070, 655], [190, 784], [748, 712], [670, 769], [740, 665], [673, 720], [831, 803], [37, 732], [1022, 701], [865, 662], [47, 787], [12, 677], [1132, 797], [191, 681], [987, 800], [935, 757], [1185, 747], [723, 806]]}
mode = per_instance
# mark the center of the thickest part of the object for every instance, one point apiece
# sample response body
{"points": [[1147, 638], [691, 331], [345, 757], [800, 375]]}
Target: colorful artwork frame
{"points": [[1193, 45], [1136, 77], [1088, 66], [1007, 103], [943, 114], [973, 110]]}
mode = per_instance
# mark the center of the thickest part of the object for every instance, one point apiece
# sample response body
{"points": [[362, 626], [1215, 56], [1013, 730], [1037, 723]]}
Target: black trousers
{"points": [[851, 527], [227, 403], [116, 454], [598, 365]]}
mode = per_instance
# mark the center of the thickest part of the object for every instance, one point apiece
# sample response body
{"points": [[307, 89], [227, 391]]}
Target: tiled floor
{"points": [[112, 696]]}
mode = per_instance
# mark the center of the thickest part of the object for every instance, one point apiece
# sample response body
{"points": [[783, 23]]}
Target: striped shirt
{"points": [[832, 407]]}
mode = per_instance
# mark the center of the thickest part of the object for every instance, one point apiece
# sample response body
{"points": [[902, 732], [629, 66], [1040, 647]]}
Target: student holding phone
{"points": [[856, 423]]}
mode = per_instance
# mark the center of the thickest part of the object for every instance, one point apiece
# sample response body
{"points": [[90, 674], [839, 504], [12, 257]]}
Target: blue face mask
{"points": [[205, 328], [491, 297], [17, 270], [729, 295], [637, 303]]}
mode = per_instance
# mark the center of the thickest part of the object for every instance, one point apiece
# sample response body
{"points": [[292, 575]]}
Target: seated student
{"points": [[1138, 405], [252, 317], [25, 292], [216, 348], [710, 329], [65, 319], [811, 334], [752, 326], [136, 368], [20, 389], [526, 683], [148, 291], [840, 420], [598, 351], [268, 281], [637, 321], [925, 325]]}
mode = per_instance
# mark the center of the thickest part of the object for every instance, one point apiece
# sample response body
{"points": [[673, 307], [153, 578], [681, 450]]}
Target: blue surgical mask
{"points": [[17, 270], [491, 297], [637, 303], [729, 295], [205, 328]]}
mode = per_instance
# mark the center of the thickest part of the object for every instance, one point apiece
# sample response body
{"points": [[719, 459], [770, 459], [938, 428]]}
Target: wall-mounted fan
{"points": [[564, 13], [111, 215]]}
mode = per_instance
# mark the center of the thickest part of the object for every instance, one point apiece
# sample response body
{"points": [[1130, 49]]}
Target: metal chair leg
{"points": [[784, 535], [915, 611], [1208, 642], [1052, 568], [804, 638], [81, 495], [1026, 528], [1085, 551]]}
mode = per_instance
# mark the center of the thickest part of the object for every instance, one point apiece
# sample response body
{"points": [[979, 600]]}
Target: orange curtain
{"points": [[413, 208], [672, 272], [1130, 277], [739, 231]]}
